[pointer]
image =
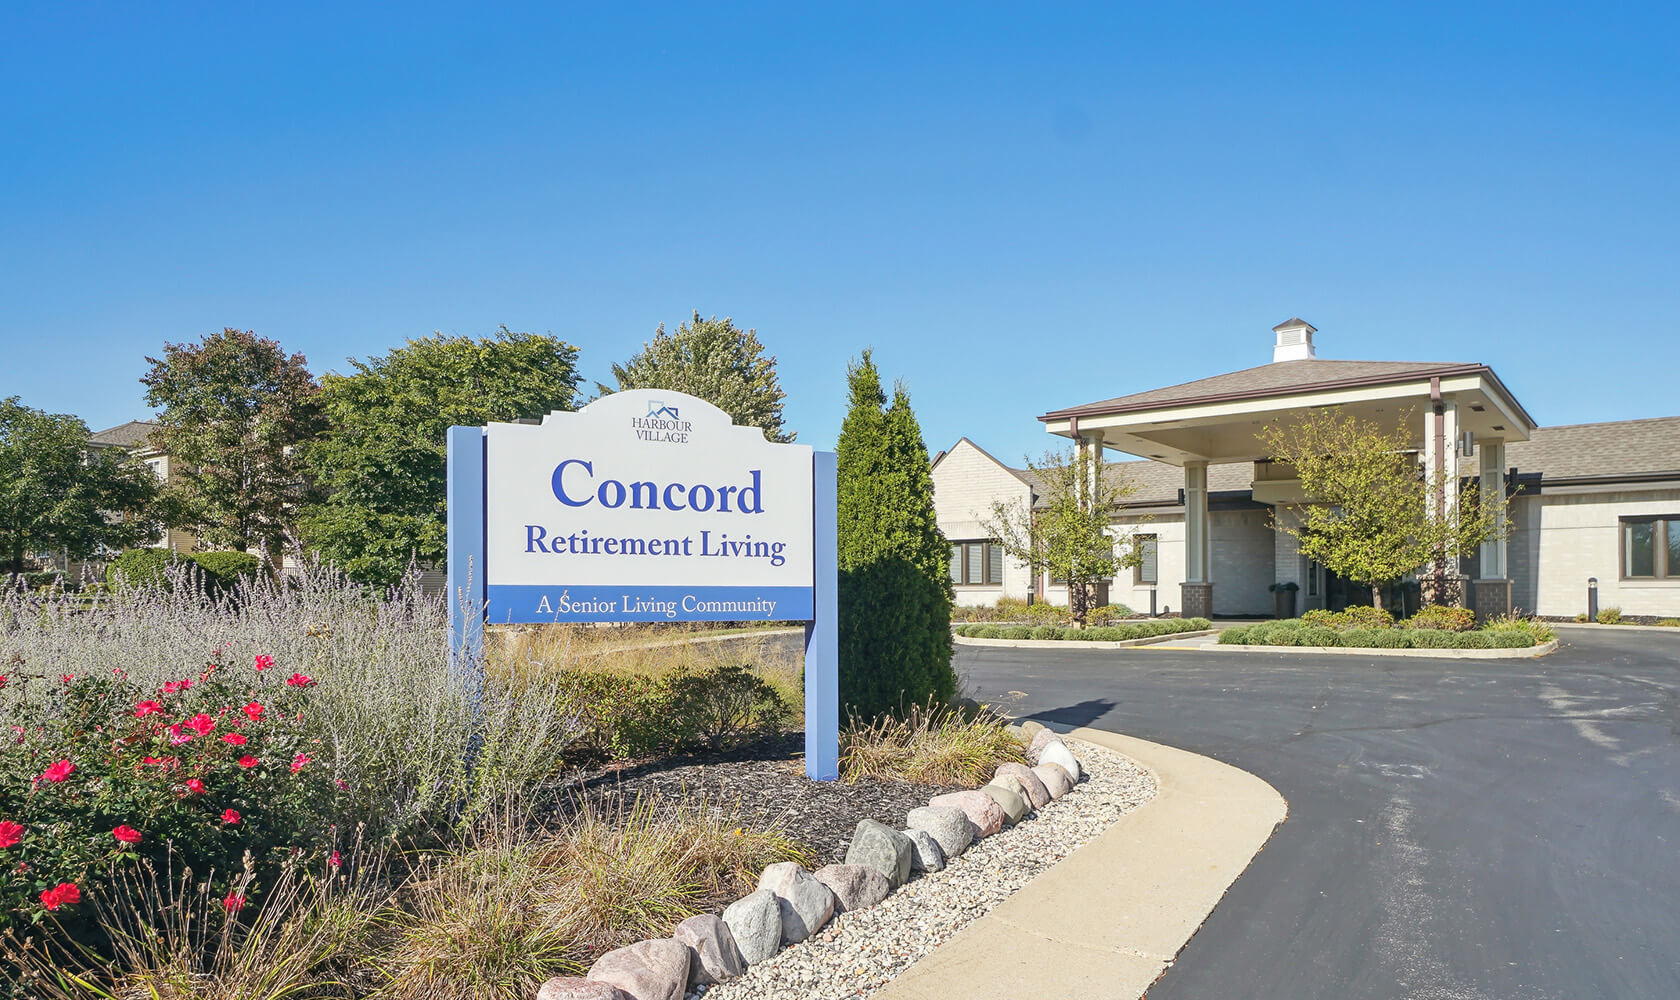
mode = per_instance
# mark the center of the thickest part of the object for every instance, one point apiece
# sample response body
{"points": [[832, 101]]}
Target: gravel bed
{"points": [[766, 782], [863, 950]]}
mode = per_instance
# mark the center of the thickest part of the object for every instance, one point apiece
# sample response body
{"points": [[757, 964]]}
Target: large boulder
{"points": [[1029, 729], [714, 957], [948, 825], [806, 904], [755, 922], [1037, 794], [647, 970], [882, 848], [573, 988], [982, 810], [1056, 780], [1040, 740], [1058, 753], [854, 886], [928, 856], [1010, 796]]}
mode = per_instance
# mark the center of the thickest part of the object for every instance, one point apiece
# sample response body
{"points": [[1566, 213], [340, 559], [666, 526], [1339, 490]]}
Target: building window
{"points": [[1148, 568], [1312, 577], [1650, 548], [976, 563]]}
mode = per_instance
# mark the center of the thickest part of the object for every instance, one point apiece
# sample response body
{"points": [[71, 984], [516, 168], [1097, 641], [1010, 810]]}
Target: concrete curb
{"points": [[1107, 921], [963, 640], [1670, 629], [1515, 653]]}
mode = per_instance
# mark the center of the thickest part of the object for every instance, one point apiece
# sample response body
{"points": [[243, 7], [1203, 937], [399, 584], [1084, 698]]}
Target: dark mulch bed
{"points": [[767, 780]]}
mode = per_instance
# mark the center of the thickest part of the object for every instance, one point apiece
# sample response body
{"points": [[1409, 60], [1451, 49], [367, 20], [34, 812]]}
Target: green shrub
{"points": [[1105, 634], [1669, 623], [988, 632], [1393, 638], [1198, 624], [1509, 639], [1047, 632], [1041, 613], [1016, 632], [1535, 628], [1319, 636], [1107, 614], [1610, 616], [895, 576], [1363, 638], [1583, 618], [1434, 638], [1276, 635], [1359, 616], [222, 570], [1442, 618], [1072, 634], [1322, 616], [1472, 640], [142, 567], [1235, 636]]}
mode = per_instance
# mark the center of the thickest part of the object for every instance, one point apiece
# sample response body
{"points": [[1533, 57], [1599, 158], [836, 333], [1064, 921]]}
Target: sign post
{"points": [[645, 505]]}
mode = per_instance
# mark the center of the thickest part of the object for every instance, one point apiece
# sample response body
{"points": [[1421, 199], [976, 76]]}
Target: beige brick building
{"points": [[1588, 501]]}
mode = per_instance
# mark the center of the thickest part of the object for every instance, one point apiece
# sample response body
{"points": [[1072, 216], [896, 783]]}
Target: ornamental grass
{"points": [[928, 745]]}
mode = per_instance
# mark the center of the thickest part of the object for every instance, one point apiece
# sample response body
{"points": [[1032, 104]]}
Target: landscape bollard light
{"points": [[1592, 598]]}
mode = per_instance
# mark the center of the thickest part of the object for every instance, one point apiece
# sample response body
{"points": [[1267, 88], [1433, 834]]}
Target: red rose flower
{"points": [[298, 762], [201, 724], [230, 816], [264, 661], [234, 901], [237, 739], [126, 834], [146, 708], [178, 734], [195, 785], [299, 680], [248, 761], [60, 895], [170, 687], [66, 678], [253, 711], [58, 772], [10, 833]]}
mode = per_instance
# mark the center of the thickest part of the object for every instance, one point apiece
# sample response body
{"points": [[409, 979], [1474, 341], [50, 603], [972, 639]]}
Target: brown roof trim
{"points": [[1610, 479], [1394, 378]]}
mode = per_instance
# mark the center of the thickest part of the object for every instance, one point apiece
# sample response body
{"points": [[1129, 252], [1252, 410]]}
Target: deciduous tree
{"points": [[57, 493], [716, 361], [233, 409], [382, 462], [1370, 517], [895, 584], [1067, 531]]}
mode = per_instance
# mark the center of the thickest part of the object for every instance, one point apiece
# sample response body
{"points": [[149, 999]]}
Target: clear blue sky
{"points": [[1020, 210]]}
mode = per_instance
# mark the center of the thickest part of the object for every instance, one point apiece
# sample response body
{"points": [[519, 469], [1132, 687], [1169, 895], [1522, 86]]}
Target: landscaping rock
{"points": [[714, 957], [1058, 753], [882, 848], [1056, 779], [982, 810], [805, 903], [928, 856], [574, 988], [854, 886], [1037, 794], [1040, 740], [1006, 791], [1029, 729], [647, 970], [755, 921], [948, 825]]}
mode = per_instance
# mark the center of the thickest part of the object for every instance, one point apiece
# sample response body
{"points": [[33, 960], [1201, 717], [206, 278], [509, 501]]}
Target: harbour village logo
{"points": [[662, 424]]}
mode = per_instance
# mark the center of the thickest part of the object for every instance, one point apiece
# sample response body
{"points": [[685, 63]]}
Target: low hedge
{"points": [[1295, 632], [1109, 633], [217, 572]]}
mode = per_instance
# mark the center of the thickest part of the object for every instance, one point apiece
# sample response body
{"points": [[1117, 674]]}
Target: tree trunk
{"points": [[1376, 596]]}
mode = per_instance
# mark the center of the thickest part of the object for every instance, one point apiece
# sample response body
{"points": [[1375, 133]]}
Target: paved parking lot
{"points": [[1458, 829]]}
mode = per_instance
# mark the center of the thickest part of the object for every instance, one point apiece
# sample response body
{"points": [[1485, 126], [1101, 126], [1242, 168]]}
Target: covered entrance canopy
{"points": [[1458, 415]]}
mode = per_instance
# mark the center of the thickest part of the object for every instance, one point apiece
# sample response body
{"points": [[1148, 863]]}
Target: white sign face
{"points": [[645, 505]]}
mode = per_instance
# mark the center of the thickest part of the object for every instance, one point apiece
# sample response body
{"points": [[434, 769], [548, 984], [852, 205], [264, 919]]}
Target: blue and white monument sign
{"points": [[649, 506]]}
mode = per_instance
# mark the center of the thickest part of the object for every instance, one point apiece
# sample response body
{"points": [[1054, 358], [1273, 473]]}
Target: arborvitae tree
{"points": [[895, 584], [716, 361]]}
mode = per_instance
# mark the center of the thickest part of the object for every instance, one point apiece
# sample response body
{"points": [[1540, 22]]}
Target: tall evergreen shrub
{"points": [[895, 584]]}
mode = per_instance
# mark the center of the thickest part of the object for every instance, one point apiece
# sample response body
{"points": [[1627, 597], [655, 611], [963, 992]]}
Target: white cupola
{"points": [[1294, 341]]}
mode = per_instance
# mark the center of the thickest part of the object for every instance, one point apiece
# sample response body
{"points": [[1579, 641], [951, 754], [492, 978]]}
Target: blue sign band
{"points": [[531, 603]]}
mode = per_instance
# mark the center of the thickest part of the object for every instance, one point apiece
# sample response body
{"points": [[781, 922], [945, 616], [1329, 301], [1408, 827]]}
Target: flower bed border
{"points": [[1508, 653], [1147, 640]]}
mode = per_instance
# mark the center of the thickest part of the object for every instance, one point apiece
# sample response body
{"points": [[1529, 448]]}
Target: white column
{"points": [[1493, 555], [1442, 427], [1196, 522]]}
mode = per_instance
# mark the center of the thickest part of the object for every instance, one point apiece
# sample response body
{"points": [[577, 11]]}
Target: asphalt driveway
{"points": [[1458, 829]]}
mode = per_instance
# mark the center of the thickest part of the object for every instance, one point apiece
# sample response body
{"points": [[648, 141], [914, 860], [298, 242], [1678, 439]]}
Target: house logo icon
{"points": [[656, 410]]}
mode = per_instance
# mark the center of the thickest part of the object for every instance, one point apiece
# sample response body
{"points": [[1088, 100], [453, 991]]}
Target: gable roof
{"points": [[1017, 473], [1605, 452], [132, 434], [1280, 378]]}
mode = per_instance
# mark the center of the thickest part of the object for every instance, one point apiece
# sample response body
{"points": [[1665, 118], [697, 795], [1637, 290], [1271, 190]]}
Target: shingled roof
{"points": [[1619, 449], [129, 435], [1159, 483], [1280, 378]]}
